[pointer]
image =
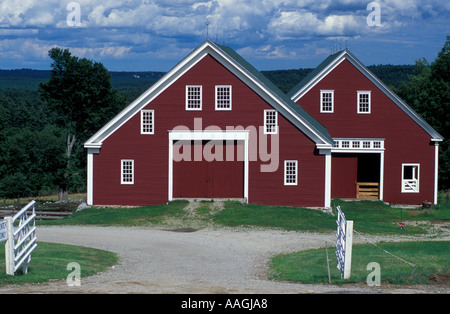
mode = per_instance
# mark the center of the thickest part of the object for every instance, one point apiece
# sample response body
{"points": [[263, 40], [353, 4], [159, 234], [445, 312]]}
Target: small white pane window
{"points": [[127, 172], [363, 102], [290, 172], [270, 122], [410, 178], [223, 97], [193, 98], [147, 122], [327, 101]]}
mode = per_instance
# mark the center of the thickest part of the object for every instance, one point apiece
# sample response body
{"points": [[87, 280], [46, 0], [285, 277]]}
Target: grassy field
{"points": [[431, 257], [50, 260]]}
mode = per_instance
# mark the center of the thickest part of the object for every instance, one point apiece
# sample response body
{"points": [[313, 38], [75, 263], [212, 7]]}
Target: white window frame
{"points": [[147, 122], [290, 178], [188, 99], [123, 174], [411, 185], [273, 126], [228, 108], [322, 93], [369, 94]]}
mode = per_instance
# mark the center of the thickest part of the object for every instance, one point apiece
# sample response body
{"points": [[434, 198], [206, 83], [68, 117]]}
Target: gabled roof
{"points": [[332, 61], [244, 71]]}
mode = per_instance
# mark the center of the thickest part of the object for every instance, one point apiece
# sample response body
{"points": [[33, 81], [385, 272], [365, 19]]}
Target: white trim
{"points": [[358, 101], [231, 97], [295, 162], [152, 122], [322, 92], [314, 81], [381, 187], [209, 135], [436, 171], [187, 98], [411, 185], [90, 175], [328, 179], [358, 145], [122, 181], [346, 55]]}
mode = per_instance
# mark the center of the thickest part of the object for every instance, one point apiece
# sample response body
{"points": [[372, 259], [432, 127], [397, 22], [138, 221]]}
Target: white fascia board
{"points": [[315, 80], [148, 96], [394, 97]]}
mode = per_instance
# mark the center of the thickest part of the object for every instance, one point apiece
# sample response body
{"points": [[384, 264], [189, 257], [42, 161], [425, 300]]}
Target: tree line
{"points": [[42, 130]]}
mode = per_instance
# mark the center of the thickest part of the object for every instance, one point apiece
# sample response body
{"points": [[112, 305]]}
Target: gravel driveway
{"points": [[205, 261]]}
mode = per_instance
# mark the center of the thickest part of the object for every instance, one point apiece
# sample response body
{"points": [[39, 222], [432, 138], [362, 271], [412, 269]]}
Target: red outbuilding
{"points": [[382, 148], [215, 127]]}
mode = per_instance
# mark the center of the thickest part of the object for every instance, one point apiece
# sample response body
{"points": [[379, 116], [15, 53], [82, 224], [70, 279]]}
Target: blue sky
{"points": [[150, 35]]}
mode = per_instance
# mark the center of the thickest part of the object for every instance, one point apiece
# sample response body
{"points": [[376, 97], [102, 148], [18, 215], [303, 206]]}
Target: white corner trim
{"points": [[90, 174]]}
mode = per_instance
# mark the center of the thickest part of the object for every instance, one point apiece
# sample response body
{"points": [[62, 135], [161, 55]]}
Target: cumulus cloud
{"points": [[117, 29]]}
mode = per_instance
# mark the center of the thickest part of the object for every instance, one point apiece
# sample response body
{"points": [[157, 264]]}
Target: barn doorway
{"points": [[220, 175], [208, 175], [356, 176]]}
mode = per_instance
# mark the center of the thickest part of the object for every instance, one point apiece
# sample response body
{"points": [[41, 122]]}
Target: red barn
{"points": [[212, 127], [215, 127], [382, 148]]}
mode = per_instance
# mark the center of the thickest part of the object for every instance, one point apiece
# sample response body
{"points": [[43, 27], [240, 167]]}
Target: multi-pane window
{"points": [[363, 102], [290, 172], [327, 101], [223, 97], [147, 122], [410, 178], [193, 98], [270, 122], [127, 172]]}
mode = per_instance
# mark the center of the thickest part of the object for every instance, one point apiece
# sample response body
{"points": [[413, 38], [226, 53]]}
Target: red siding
{"points": [[405, 140], [150, 152], [344, 175]]}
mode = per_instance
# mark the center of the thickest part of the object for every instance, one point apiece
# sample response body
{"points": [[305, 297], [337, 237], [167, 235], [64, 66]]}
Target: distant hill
{"points": [[135, 83]]}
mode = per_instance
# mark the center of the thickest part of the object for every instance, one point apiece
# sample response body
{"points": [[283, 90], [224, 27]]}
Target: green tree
{"points": [[81, 94], [428, 92]]}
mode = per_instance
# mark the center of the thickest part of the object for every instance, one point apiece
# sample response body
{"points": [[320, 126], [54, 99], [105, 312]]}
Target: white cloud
{"points": [[158, 29]]}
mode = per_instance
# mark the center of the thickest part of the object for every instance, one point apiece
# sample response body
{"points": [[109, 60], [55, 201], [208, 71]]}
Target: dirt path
{"points": [[205, 261]]}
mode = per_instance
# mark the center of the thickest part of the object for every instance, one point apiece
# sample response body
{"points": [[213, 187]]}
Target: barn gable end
{"points": [[382, 148], [132, 160]]}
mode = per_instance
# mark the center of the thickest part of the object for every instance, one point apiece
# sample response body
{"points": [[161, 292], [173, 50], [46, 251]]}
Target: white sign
{"points": [[344, 242], [3, 231]]}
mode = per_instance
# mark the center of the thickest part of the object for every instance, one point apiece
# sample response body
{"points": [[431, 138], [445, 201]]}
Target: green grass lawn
{"points": [[49, 261], [431, 257]]}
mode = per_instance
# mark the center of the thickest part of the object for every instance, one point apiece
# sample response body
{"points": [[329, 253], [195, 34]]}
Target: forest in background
{"points": [[33, 142]]}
